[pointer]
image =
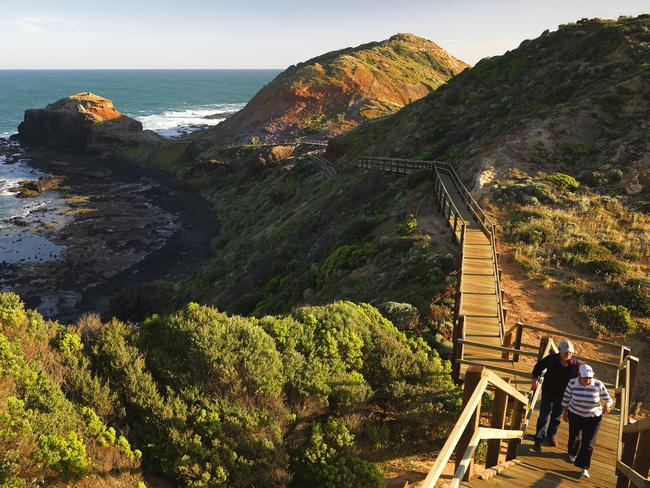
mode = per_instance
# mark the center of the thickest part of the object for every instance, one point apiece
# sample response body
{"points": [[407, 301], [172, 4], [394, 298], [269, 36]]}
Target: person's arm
{"points": [[605, 397], [540, 366], [568, 393]]}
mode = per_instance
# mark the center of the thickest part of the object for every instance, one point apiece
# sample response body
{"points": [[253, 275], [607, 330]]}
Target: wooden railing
{"points": [[633, 450], [467, 433]]}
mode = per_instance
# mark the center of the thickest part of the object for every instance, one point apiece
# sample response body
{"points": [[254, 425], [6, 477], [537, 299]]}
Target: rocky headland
{"points": [[83, 122], [339, 90]]}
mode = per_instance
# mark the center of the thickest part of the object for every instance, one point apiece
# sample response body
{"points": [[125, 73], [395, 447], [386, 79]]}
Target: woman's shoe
{"points": [[585, 474], [572, 459]]}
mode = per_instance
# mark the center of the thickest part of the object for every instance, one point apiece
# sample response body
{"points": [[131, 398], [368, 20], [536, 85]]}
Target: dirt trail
{"points": [[528, 301]]}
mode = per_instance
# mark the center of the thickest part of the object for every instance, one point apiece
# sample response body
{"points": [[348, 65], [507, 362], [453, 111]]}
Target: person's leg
{"points": [[575, 426], [555, 420], [589, 434], [545, 407]]}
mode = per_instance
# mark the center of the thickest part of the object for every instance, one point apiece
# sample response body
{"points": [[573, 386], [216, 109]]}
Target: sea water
{"points": [[167, 101], [170, 102]]}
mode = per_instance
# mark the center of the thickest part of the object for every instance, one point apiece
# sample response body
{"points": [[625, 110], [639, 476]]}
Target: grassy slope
{"points": [[574, 102]]}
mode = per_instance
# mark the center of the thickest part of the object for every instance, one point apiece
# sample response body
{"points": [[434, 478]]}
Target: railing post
{"points": [[507, 342], [542, 347], [498, 422], [642, 458], [633, 364], [459, 347], [455, 222], [630, 441], [620, 377], [518, 412], [472, 378], [518, 336]]}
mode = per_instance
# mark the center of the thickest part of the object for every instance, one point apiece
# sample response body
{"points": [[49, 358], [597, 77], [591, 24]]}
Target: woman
{"points": [[584, 402]]}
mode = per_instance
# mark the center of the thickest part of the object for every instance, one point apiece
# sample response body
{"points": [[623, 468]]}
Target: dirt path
{"points": [[528, 301]]}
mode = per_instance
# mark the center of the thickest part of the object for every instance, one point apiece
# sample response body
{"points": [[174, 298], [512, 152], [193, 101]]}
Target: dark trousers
{"points": [[582, 438], [549, 407]]}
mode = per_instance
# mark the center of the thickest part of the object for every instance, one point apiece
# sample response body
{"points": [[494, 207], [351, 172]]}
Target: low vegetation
{"points": [[595, 245], [308, 398]]}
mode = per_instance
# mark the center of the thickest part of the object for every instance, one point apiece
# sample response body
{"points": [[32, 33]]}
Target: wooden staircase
{"points": [[488, 358]]}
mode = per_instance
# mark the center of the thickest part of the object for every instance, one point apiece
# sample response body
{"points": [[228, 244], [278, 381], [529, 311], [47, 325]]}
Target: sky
{"points": [[206, 34]]}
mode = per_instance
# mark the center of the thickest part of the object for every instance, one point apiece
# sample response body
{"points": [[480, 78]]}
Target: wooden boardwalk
{"points": [[479, 304], [482, 344], [551, 468]]}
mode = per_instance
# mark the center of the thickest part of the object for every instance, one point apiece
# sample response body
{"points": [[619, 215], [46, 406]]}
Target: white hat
{"points": [[565, 346], [586, 371]]}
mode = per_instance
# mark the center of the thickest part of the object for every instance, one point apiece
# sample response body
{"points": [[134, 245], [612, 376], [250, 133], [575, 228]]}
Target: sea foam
{"points": [[173, 123]]}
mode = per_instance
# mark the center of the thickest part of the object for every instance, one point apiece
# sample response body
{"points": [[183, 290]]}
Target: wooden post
{"points": [[542, 347], [504, 312], [459, 347], [518, 412], [633, 364], [455, 222], [507, 342], [472, 377], [620, 377], [517, 345], [642, 459], [630, 441], [498, 422]]}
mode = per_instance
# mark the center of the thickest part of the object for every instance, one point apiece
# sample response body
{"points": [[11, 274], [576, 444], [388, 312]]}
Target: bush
{"points": [[408, 227], [65, 456], [343, 260], [615, 318], [607, 268], [534, 232], [403, 315], [588, 249], [564, 181], [329, 461], [12, 311]]}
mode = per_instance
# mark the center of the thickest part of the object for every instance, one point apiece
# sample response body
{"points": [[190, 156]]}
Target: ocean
{"points": [[167, 101]]}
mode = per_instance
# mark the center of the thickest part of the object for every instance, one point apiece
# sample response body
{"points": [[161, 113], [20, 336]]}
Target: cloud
{"points": [[35, 24]]}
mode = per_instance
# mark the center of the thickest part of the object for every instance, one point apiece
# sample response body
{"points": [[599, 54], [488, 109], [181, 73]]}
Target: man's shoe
{"points": [[572, 459], [585, 474], [551, 441], [538, 446]]}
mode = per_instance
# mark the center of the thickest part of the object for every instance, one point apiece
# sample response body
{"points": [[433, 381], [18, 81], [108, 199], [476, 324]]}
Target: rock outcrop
{"points": [[82, 122], [337, 91]]}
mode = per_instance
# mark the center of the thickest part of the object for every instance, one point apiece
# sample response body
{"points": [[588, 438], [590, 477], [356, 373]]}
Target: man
{"points": [[560, 368], [585, 402]]}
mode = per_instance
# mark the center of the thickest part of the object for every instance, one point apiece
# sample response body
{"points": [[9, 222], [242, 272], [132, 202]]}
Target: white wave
{"points": [[176, 122]]}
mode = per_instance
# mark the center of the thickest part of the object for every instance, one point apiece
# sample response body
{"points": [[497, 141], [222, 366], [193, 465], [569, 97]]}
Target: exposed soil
{"points": [[131, 224]]}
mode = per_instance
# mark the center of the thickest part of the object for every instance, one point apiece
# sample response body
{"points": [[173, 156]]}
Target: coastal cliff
{"points": [[339, 90], [82, 122]]}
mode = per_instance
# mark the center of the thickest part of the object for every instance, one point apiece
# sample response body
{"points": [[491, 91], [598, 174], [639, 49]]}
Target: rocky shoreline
{"points": [[128, 224]]}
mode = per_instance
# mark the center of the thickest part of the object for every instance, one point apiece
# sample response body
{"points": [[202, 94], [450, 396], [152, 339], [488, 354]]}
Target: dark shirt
{"points": [[557, 376]]}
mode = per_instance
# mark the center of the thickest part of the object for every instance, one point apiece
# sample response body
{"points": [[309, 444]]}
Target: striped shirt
{"points": [[585, 400]]}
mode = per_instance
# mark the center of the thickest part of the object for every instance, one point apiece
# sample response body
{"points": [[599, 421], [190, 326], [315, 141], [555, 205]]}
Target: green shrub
{"points": [[343, 260], [613, 247], [607, 268], [588, 249], [576, 149], [564, 181], [329, 461], [534, 232], [408, 227], [65, 456], [12, 311], [615, 318], [403, 315]]}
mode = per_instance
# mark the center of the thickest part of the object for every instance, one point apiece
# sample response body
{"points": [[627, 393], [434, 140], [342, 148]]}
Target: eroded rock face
{"points": [[81, 122]]}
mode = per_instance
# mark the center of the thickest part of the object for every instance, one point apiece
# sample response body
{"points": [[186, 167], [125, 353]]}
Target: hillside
{"points": [[554, 136], [337, 91]]}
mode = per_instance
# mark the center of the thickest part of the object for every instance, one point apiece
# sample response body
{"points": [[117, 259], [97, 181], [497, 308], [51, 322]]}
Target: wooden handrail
{"points": [[572, 336], [498, 348], [640, 426], [487, 378]]}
